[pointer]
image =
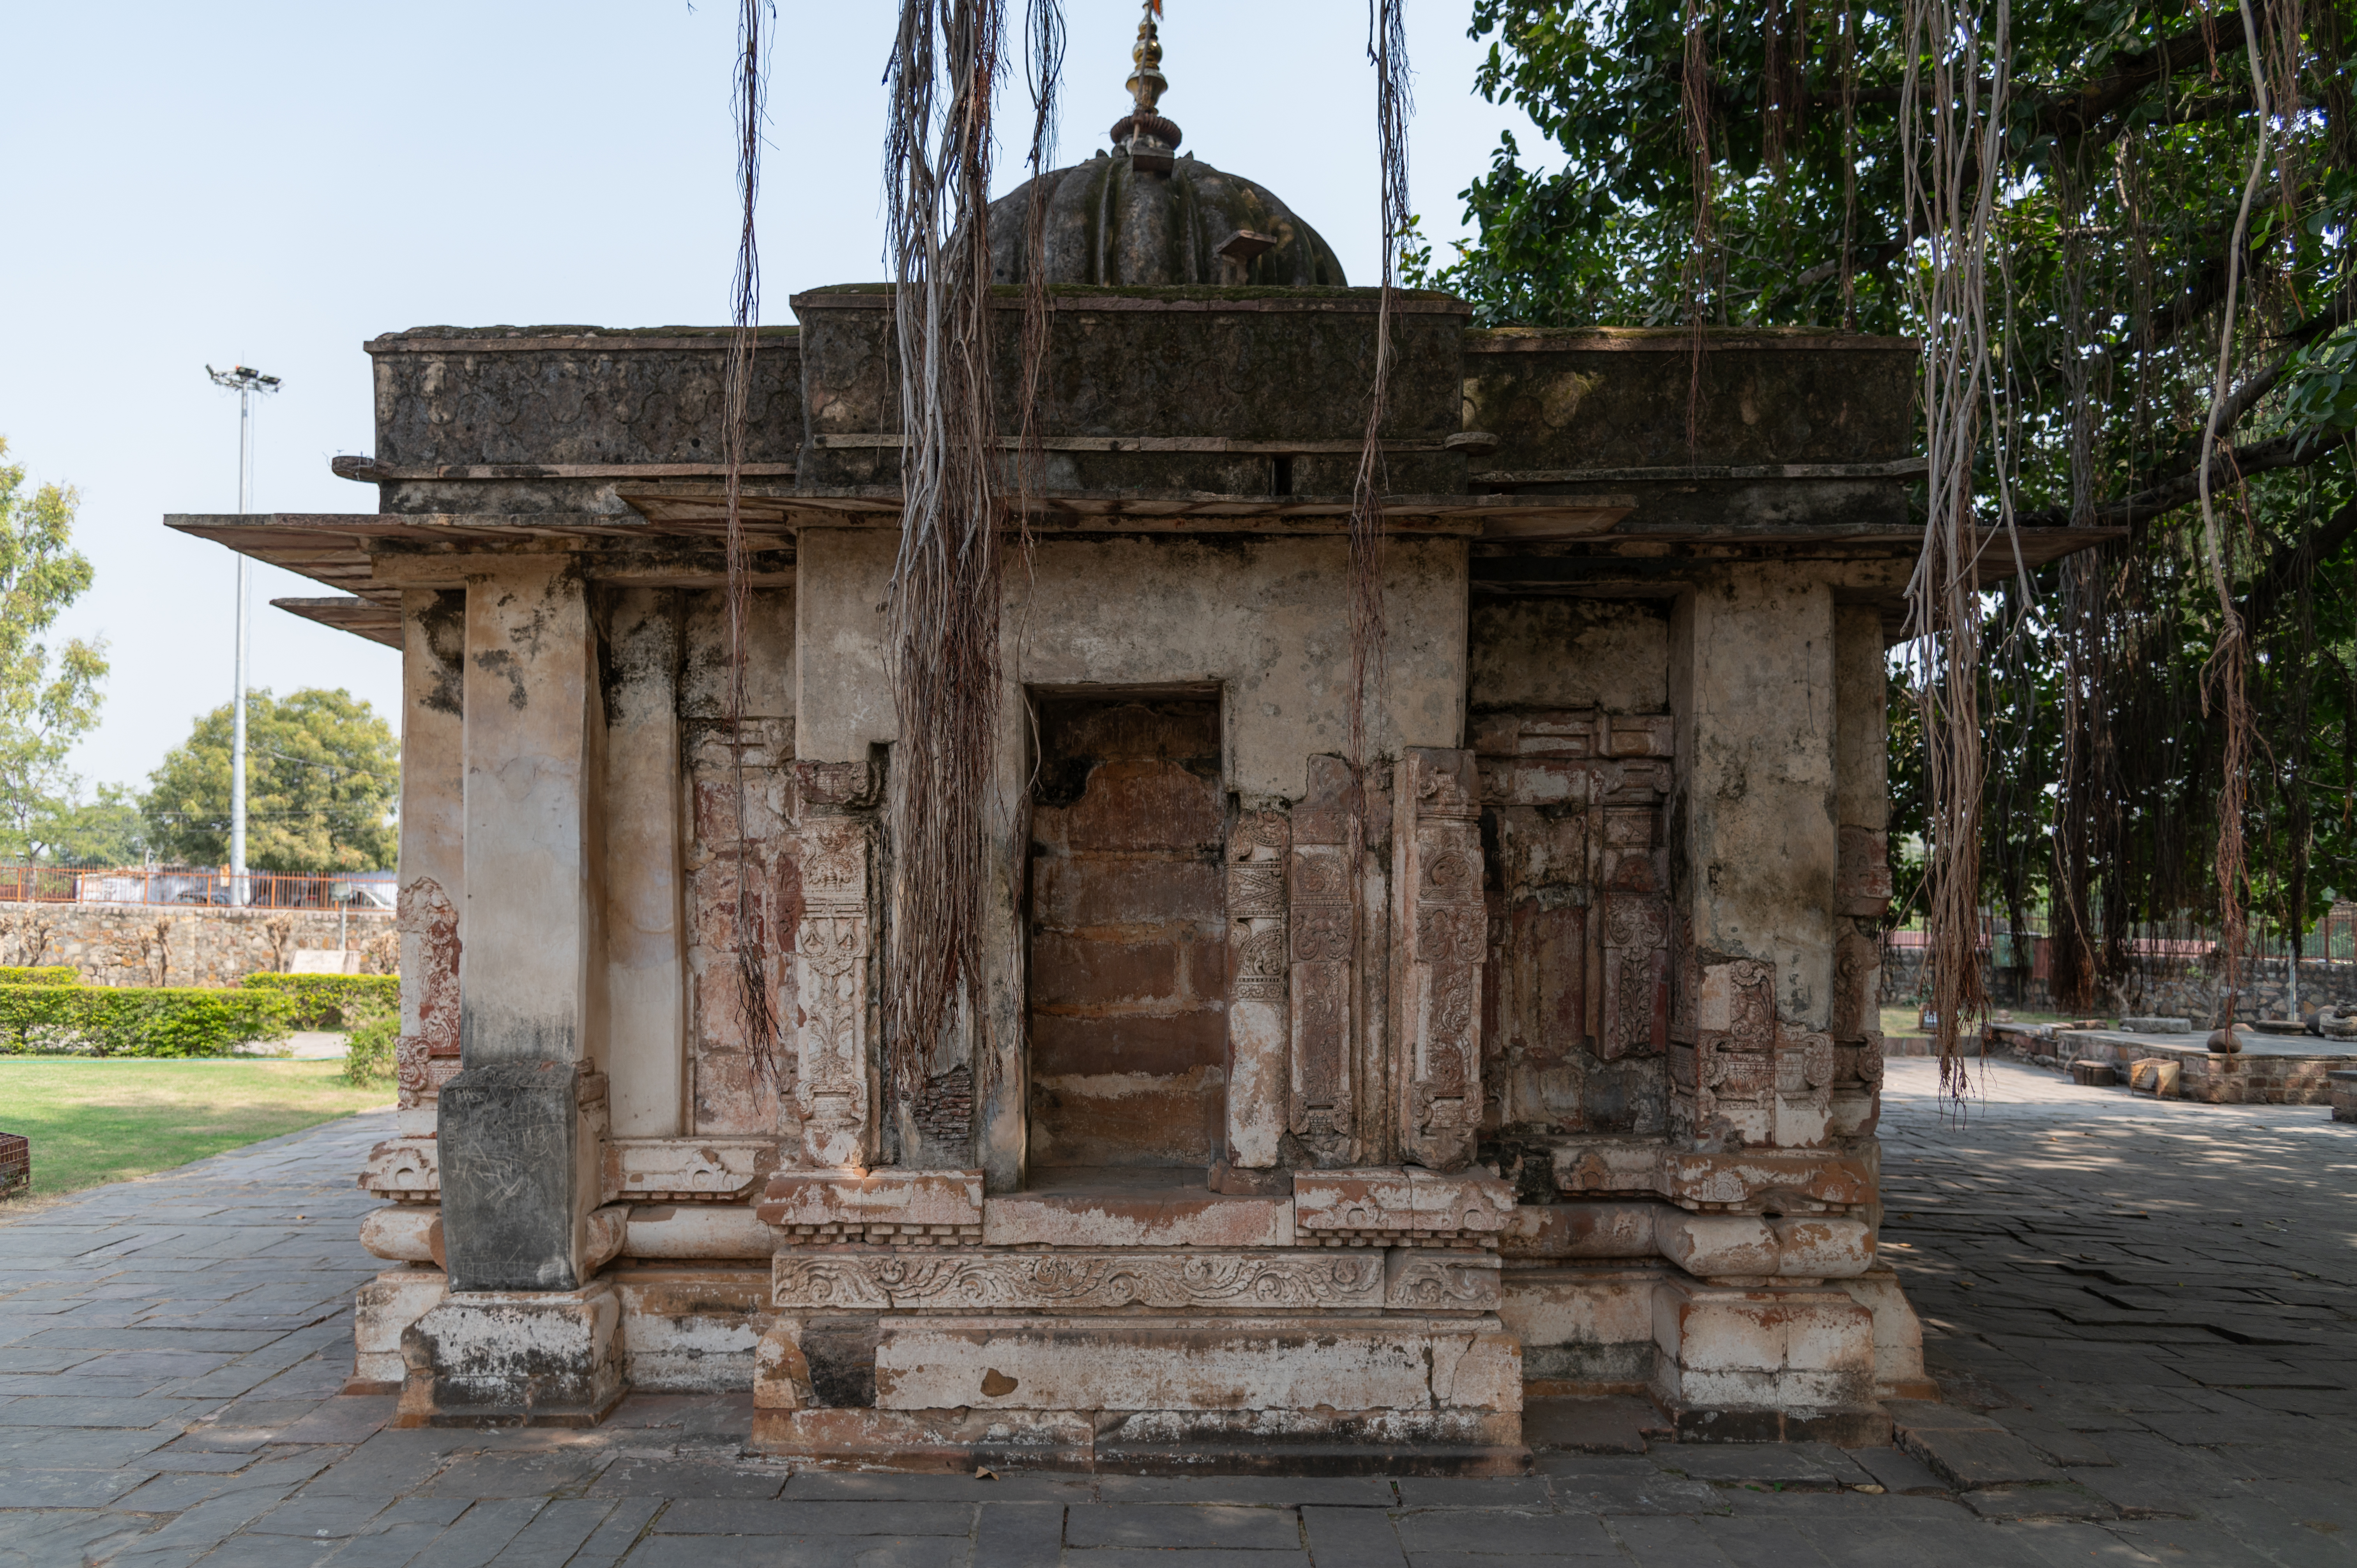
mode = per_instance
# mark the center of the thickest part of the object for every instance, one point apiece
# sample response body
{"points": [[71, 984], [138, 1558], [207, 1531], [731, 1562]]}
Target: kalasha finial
{"points": [[1149, 138]]}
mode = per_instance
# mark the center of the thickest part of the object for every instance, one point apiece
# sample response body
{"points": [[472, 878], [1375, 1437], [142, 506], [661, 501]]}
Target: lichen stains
{"points": [[500, 662], [443, 625]]}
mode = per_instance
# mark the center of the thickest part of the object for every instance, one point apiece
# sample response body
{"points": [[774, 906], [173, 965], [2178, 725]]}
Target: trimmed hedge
{"points": [[46, 974], [139, 1021], [331, 1001]]}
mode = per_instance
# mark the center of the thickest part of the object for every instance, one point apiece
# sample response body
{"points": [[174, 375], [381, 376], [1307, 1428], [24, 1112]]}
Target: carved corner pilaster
{"points": [[835, 1078], [1862, 873], [1257, 1034], [1440, 940]]}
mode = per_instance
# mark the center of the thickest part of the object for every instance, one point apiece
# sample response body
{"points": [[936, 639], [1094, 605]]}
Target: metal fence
{"points": [[201, 888], [2332, 938]]}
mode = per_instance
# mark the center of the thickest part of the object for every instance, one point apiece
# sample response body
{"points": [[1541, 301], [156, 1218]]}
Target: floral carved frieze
{"points": [[805, 1279]]}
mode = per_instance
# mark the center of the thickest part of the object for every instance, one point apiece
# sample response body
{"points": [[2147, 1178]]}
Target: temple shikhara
{"points": [[1317, 1111]]}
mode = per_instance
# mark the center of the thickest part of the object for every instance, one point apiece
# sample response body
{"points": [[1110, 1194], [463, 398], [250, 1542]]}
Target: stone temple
{"points": [[1307, 1127]]}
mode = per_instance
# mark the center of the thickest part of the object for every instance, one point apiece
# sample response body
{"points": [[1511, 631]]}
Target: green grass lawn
{"points": [[94, 1121]]}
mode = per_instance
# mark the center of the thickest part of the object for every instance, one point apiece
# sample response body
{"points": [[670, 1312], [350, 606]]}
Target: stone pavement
{"points": [[2140, 1313]]}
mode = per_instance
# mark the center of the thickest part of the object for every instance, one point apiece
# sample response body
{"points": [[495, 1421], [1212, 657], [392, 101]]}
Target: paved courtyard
{"points": [[2141, 1315]]}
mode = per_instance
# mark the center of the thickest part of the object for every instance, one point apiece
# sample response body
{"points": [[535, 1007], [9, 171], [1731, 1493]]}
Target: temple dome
{"points": [[1110, 221]]}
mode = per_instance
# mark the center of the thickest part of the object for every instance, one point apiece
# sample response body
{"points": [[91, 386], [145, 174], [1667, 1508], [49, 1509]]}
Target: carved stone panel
{"points": [[1257, 948], [1862, 873], [1751, 1076], [427, 1058], [1424, 1281], [810, 1280], [740, 873], [835, 1086], [1441, 942]]}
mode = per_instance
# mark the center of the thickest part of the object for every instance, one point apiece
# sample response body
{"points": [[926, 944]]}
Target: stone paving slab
{"points": [[2141, 1315]]}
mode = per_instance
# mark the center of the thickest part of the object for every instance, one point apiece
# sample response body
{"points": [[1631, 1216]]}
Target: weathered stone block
{"points": [[510, 1139], [1400, 1202], [1136, 1219], [1781, 1350], [1582, 1330], [407, 1170], [1596, 1228], [1747, 1246], [1593, 1164], [383, 1309], [540, 1358], [905, 1207], [693, 1231], [406, 1233], [1898, 1334], [1813, 1177], [687, 1170], [781, 1374], [691, 1329], [1186, 1364]]}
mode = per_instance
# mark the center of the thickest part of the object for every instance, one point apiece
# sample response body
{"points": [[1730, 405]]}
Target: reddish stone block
{"points": [[1609, 1228], [1148, 805], [1081, 890], [1126, 1119], [1156, 1043], [1082, 972]]}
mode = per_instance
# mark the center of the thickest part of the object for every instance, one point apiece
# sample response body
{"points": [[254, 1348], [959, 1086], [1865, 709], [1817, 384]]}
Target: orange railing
{"points": [[196, 886]]}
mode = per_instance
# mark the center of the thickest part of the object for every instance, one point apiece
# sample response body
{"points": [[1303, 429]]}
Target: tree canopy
{"points": [[48, 693], [1767, 187], [323, 773]]}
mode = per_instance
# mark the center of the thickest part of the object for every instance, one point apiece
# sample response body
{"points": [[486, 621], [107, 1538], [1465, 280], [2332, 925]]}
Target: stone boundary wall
{"points": [[157, 944], [2168, 988]]}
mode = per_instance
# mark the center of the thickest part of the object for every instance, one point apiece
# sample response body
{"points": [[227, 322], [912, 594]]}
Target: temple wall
{"points": [[1591, 913]]}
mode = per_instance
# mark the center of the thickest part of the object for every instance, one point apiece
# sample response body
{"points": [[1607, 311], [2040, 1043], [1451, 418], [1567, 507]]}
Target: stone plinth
{"points": [[509, 1358], [1782, 1364], [1161, 1394]]}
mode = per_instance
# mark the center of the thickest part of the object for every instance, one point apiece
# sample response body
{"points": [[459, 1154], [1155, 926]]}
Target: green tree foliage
{"points": [[49, 695], [108, 830], [2128, 136], [322, 775]]}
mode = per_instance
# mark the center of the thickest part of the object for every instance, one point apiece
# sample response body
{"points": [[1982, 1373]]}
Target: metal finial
{"points": [[1146, 84], [1149, 139]]}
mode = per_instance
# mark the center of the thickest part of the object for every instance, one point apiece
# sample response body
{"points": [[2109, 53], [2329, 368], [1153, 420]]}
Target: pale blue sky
{"points": [[270, 184]]}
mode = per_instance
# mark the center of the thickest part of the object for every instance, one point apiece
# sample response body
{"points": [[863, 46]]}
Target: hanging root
{"points": [[1043, 34], [760, 1017], [1388, 52], [944, 612], [1952, 147], [2223, 677]]}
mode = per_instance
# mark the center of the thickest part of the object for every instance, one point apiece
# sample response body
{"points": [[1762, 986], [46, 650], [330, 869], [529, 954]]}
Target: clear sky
{"points": [[270, 184]]}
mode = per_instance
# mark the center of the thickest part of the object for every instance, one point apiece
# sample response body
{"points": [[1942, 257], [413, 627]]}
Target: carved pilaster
{"points": [[1635, 983], [1440, 941], [1750, 1077], [835, 1081], [1257, 995], [1321, 1105]]}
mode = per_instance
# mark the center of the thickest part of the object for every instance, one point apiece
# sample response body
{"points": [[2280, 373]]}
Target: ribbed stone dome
{"points": [[1110, 222]]}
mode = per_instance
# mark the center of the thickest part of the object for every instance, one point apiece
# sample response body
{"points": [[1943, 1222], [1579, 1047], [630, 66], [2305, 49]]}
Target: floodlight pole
{"points": [[249, 384]]}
